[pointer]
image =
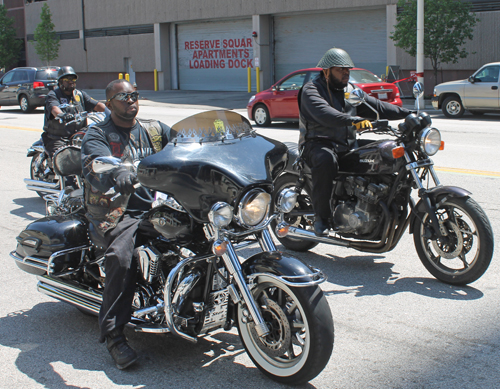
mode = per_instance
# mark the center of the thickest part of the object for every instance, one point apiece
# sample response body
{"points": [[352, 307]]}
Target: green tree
{"points": [[447, 26], [46, 41], [10, 46]]}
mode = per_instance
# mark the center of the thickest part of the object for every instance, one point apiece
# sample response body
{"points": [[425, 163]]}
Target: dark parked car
{"points": [[280, 101], [27, 87]]}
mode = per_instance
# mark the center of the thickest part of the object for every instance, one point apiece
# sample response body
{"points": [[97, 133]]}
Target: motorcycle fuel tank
{"points": [[212, 156], [373, 158]]}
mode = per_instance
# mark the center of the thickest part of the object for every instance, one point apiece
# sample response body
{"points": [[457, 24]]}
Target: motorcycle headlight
{"points": [[430, 141], [286, 200], [221, 214], [253, 207]]}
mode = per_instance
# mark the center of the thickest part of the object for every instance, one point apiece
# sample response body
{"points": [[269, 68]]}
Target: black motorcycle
{"points": [[44, 177], [213, 185], [372, 203]]}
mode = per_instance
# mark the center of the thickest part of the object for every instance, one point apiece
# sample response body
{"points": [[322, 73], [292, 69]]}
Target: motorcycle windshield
{"points": [[212, 156]]}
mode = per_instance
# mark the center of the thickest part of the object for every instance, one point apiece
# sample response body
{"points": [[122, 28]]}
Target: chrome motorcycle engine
{"points": [[361, 214]]}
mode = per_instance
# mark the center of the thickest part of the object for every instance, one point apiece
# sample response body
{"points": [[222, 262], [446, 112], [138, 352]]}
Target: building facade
{"points": [[210, 44]]}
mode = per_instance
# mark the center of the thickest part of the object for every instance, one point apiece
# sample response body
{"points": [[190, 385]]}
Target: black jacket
{"points": [[329, 116]]}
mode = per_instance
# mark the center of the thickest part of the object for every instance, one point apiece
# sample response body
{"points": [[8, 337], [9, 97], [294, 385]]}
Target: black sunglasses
{"points": [[122, 96]]}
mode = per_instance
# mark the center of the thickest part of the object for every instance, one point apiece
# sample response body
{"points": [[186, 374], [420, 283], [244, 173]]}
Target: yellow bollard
{"points": [[120, 76], [127, 77], [249, 77], [156, 80], [257, 75]]}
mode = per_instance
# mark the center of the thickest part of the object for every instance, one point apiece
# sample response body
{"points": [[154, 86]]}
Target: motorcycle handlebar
{"points": [[112, 191]]}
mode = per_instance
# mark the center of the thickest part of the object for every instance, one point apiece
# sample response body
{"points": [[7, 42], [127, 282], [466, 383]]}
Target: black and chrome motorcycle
{"points": [[372, 203], [45, 178], [213, 186]]}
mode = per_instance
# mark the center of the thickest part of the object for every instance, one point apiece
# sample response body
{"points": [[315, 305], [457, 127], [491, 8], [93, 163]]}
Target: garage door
{"points": [[300, 41], [214, 55]]}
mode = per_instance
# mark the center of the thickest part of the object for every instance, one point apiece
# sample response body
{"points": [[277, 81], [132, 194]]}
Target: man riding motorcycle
{"points": [[115, 222], [56, 134], [328, 125]]}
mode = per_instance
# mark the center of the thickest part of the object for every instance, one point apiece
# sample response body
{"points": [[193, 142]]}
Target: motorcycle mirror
{"points": [[105, 164], [356, 97], [418, 90]]}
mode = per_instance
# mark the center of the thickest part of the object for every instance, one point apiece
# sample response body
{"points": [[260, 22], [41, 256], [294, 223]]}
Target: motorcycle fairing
{"points": [[213, 168]]}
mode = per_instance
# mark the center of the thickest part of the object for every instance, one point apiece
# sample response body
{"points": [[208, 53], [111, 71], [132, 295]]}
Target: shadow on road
{"points": [[367, 275], [29, 206], [58, 347]]}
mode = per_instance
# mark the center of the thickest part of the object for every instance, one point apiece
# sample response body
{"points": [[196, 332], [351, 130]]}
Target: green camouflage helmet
{"points": [[335, 57]]}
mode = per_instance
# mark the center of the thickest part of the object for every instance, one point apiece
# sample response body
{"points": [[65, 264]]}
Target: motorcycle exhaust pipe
{"points": [[294, 232], [42, 189], [71, 294], [42, 184]]}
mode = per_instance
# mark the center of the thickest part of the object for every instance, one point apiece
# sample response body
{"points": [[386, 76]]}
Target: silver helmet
{"points": [[335, 57]]}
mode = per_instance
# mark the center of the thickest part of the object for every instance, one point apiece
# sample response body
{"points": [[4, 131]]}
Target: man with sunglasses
{"points": [[328, 126], [115, 222], [57, 134]]}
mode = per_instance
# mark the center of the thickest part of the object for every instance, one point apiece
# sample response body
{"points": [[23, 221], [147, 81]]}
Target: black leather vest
{"points": [[103, 212]]}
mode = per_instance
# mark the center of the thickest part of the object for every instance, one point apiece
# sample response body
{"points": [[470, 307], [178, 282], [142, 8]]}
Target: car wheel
{"points": [[261, 116], [25, 105], [452, 107]]}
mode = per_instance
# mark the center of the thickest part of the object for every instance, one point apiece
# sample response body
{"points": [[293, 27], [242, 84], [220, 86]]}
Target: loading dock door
{"points": [[301, 40]]}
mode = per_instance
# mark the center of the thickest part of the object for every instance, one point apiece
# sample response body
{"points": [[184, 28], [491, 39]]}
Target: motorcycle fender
{"points": [[436, 195], [276, 263], [31, 153]]}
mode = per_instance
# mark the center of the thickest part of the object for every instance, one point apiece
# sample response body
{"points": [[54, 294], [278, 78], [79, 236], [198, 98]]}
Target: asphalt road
{"points": [[396, 326]]}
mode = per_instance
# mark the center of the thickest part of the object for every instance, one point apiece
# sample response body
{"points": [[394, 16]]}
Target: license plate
{"points": [[382, 96]]}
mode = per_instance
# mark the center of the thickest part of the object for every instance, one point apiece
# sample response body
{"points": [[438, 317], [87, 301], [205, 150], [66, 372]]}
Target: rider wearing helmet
{"points": [[56, 134], [328, 125]]}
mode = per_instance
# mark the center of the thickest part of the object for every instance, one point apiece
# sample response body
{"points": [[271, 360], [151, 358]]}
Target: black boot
{"points": [[321, 227], [119, 349]]}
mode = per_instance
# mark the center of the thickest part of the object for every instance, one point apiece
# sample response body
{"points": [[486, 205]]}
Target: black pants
{"points": [[323, 161], [121, 271]]}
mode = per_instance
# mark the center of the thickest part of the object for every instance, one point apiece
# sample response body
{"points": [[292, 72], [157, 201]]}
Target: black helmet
{"points": [[335, 57], [66, 71]]}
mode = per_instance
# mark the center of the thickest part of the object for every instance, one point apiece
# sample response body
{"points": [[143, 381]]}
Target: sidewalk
{"points": [[226, 100], [209, 99]]}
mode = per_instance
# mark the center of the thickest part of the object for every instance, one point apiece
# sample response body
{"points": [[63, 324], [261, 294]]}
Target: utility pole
{"points": [[420, 47]]}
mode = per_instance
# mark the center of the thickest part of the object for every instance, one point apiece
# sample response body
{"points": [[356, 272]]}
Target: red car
{"points": [[279, 103]]}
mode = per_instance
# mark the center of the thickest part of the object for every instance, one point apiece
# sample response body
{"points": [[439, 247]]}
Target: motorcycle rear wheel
{"points": [[467, 253], [303, 204], [301, 336], [39, 174]]}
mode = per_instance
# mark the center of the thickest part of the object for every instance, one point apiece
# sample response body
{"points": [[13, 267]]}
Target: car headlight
{"points": [[430, 141], [251, 99], [253, 207], [221, 214], [286, 200]]}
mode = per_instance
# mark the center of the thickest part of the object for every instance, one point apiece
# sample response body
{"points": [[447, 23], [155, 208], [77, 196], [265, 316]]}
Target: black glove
{"points": [[65, 117], [124, 182]]}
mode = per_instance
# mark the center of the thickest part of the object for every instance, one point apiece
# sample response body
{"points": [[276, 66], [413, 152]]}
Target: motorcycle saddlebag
{"points": [[47, 236]]}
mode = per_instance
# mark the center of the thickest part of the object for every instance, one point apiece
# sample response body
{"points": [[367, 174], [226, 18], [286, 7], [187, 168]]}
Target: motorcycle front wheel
{"points": [[300, 339], [466, 252], [294, 218], [40, 171]]}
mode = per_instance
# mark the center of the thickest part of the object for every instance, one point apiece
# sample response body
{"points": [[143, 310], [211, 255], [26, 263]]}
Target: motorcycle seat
{"points": [[67, 161]]}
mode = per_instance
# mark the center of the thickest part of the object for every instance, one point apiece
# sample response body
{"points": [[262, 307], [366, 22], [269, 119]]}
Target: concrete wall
{"points": [[106, 54]]}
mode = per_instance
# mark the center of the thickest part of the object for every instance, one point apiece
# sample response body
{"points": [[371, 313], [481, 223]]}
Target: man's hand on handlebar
{"points": [[362, 124], [65, 117]]}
